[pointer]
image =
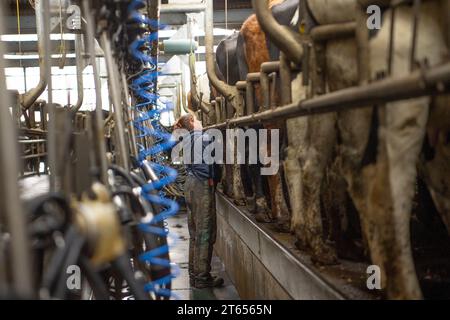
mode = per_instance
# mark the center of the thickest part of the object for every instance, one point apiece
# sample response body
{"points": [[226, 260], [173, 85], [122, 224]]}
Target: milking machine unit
{"points": [[147, 123], [113, 224]]}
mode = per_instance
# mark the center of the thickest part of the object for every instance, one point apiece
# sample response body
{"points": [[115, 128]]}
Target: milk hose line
{"points": [[143, 86]]}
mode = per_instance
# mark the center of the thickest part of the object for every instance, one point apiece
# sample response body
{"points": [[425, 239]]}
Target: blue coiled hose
{"points": [[143, 87]]}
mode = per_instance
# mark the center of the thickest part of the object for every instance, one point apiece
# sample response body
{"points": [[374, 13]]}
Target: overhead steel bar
{"points": [[333, 31], [183, 7], [419, 83]]}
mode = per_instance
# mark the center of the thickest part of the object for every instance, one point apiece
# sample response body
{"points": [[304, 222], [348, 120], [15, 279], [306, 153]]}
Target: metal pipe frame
{"points": [[51, 108], [241, 85], [333, 31], [289, 43], [115, 93], [183, 8], [434, 81], [250, 98], [197, 102], [267, 68], [34, 156], [252, 79], [11, 210], [265, 90], [362, 41], [130, 119], [28, 98], [32, 141], [285, 80], [273, 77], [153, 11], [99, 135], [229, 92], [79, 66]]}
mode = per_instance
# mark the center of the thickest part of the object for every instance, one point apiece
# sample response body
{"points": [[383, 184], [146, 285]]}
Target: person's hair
{"points": [[185, 122]]}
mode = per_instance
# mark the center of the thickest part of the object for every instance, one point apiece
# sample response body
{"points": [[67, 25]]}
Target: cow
{"points": [[403, 130], [256, 52], [379, 169], [231, 67]]}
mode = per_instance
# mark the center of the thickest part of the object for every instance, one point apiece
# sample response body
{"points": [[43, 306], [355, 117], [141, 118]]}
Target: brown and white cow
{"points": [[256, 53], [382, 190], [403, 128]]}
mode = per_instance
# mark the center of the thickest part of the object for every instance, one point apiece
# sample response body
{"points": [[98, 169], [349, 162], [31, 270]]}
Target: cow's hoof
{"points": [[262, 218], [349, 250], [251, 204], [239, 202], [261, 206], [324, 255], [220, 188], [300, 245], [283, 226]]}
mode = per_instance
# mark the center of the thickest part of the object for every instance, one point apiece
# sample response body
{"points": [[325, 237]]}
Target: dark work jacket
{"points": [[201, 171]]}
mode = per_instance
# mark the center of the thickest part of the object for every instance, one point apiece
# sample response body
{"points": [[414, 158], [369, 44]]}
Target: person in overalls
{"points": [[200, 202]]}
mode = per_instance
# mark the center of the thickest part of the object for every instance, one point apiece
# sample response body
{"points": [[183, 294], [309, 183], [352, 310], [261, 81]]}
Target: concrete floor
{"points": [[180, 255]]}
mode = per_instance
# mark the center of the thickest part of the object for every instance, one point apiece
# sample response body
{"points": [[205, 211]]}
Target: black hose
{"points": [[124, 174], [123, 267], [94, 279], [57, 261]]}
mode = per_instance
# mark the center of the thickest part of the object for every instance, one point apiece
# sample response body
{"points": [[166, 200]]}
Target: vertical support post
{"points": [[11, 211], [265, 91], [51, 133], [285, 79], [79, 67], [114, 86], [129, 114], [99, 135], [250, 98]]}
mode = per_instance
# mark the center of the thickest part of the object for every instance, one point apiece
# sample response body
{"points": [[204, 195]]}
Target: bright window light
{"points": [[33, 56], [34, 38]]}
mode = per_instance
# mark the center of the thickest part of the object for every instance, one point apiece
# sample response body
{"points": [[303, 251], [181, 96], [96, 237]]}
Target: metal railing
{"points": [[421, 82]]}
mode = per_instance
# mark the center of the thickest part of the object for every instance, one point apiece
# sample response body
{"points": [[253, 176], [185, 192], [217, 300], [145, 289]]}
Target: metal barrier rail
{"points": [[433, 81]]}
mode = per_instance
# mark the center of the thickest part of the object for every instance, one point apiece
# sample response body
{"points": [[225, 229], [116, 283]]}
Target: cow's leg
{"points": [[296, 135], [356, 128], [248, 188], [404, 133], [390, 190], [292, 170], [238, 189], [406, 122], [391, 183], [261, 206], [284, 216], [319, 146]]}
